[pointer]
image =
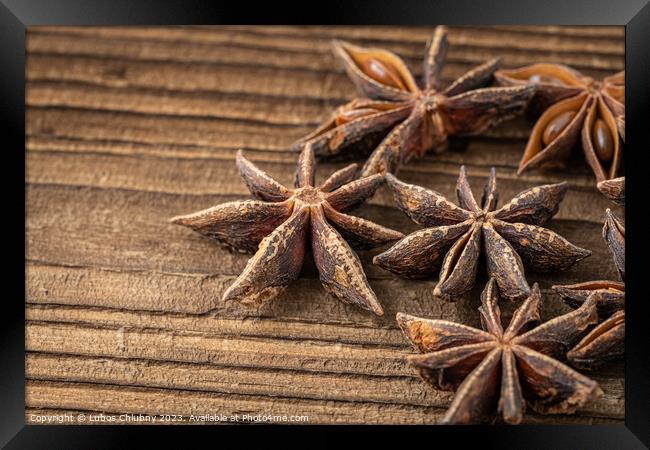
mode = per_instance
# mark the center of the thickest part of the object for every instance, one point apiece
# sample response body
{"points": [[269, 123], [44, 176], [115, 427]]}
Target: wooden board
{"points": [[127, 127]]}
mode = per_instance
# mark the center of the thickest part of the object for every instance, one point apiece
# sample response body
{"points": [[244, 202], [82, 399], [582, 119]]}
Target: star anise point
{"points": [[613, 189]]}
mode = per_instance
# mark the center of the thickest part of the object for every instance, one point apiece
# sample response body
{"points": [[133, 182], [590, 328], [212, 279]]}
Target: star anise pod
{"points": [[606, 341], [412, 118], [282, 224], [613, 189], [576, 107], [497, 370], [511, 237]]}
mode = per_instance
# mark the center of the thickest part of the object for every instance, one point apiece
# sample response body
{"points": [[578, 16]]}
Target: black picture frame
{"points": [[16, 15]]}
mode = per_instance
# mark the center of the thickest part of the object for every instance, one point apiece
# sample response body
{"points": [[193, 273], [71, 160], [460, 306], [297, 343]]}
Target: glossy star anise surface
{"points": [[282, 224], [575, 107], [510, 237], [606, 341], [496, 370], [404, 119]]}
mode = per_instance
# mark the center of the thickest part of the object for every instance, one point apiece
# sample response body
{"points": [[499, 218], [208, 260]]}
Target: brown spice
{"points": [[403, 120], [613, 189], [281, 224], [606, 341], [502, 370], [511, 237], [575, 107]]}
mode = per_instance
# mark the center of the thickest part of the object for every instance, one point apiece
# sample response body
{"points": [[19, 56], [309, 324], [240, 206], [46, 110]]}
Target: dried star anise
{"points": [[511, 237], [576, 106], [410, 119], [285, 221], [613, 189], [502, 370], [606, 341]]}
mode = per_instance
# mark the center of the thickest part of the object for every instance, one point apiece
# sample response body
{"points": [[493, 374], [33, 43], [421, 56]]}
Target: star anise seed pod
{"points": [[284, 221], [410, 119], [611, 295], [613, 189], [497, 370], [606, 341], [576, 107], [511, 237]]}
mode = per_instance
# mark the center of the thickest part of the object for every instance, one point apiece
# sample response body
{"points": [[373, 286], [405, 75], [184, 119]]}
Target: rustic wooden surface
{"points": [[127, 127]]}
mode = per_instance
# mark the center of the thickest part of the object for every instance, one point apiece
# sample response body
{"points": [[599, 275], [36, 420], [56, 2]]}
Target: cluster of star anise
{"points": [[398, 119], [607, 340], [491, 369]]}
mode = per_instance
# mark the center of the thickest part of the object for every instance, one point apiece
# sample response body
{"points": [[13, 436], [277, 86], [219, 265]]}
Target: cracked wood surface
{"points": [[127, 127]]}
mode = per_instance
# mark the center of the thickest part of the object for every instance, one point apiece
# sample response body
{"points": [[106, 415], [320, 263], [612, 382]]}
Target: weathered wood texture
{"points": [[127, 127]]}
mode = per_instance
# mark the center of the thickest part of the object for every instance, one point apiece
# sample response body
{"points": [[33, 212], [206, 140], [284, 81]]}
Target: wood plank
{"points": [[309, 39], [133, 338], [201, 79], [180, 77], [233, 380], [296, 115], [190, 137], [304, 300], [88, 311], [224, 325], [282, 385], [386, 32], [114, 126], [478, 156], [81, 296], [317, 56], [167, 176], [36, 416], [279, 354], [113, 399]]}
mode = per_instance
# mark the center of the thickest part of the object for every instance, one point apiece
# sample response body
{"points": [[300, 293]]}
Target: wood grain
{"points": [[127, 127]]}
